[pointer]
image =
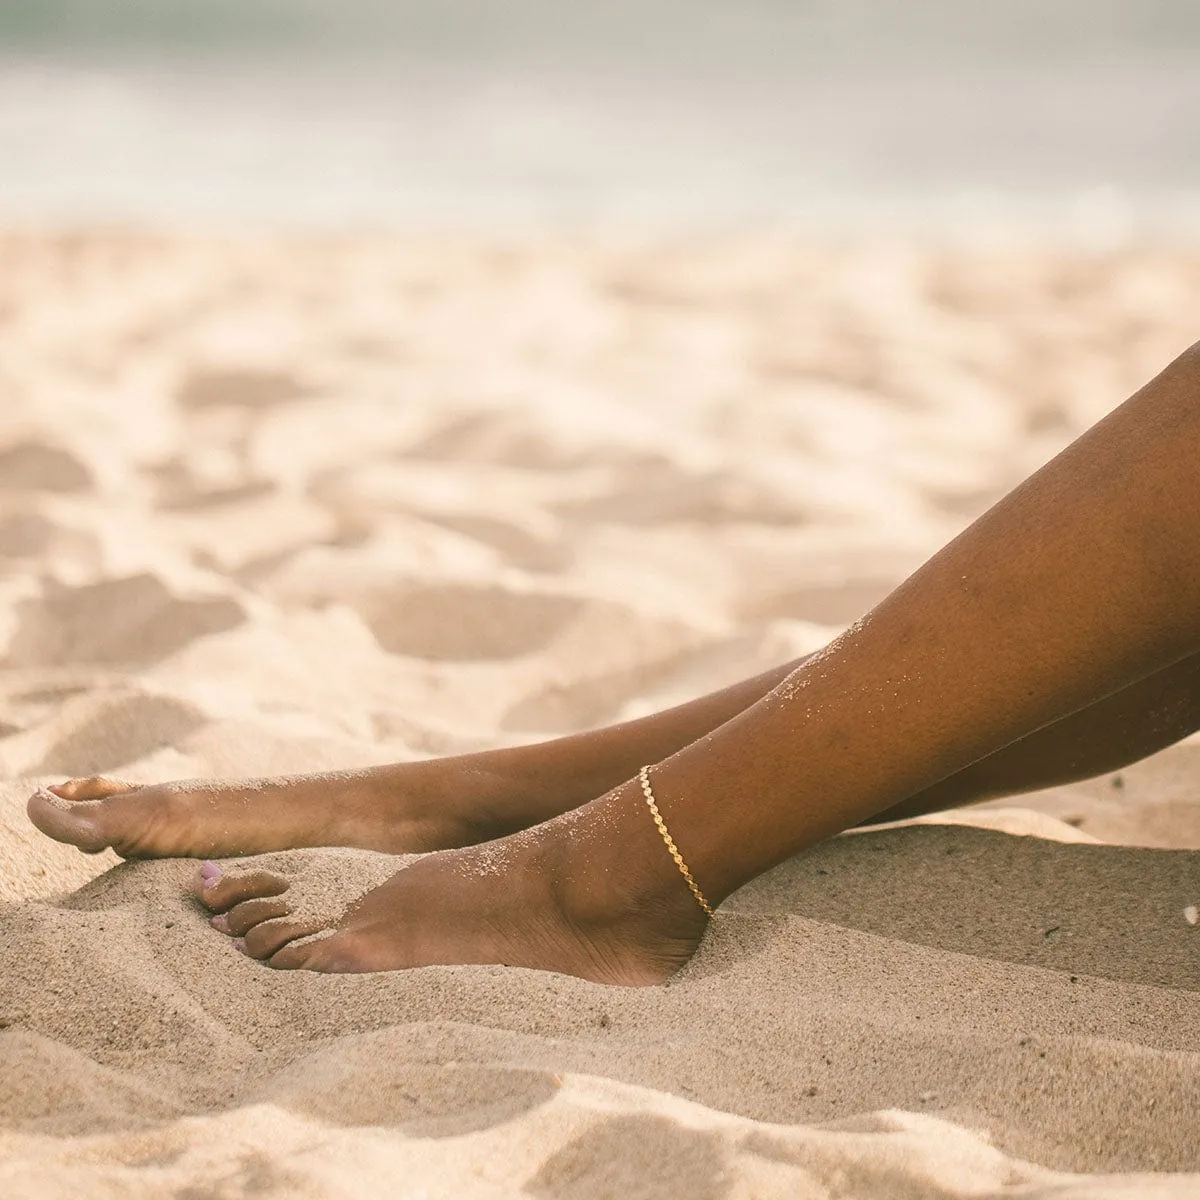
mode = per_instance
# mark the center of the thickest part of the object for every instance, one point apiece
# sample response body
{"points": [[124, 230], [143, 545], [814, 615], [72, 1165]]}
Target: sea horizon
{"points": [[927, 116]]}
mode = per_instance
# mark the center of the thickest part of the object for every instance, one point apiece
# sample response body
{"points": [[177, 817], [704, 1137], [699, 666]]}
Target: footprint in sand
{"points": [[498, 438], [25, 534], [131, 620], [657, 492], [518, 546], [100, 732], [35, 467], [214, 387], [467, 621]]}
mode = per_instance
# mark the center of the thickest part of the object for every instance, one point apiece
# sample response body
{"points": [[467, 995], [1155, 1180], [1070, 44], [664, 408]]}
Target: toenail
{"points": [[210, 873], [239, 944], [220, 922]]}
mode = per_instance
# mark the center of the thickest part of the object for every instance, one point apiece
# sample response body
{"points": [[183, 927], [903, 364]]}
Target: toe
{"points": [[94, 814], [269, 937], [241, 918], [222, 891], [94, 787], [293, 957], [78, 824], [300, 955], [339, 954]]}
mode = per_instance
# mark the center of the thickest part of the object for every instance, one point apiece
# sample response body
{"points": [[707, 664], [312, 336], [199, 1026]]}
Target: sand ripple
{"points": [[272, 506]]}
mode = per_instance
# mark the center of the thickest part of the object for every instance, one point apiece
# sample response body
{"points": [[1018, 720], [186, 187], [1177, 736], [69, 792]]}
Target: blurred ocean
{"points": [[1083, 114]]}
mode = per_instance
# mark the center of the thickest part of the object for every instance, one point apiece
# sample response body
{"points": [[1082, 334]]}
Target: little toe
{"points": [[241, 918], [269, 937], [222, 891]]}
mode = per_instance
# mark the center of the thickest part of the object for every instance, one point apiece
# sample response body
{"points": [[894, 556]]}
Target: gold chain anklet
{"points": [[644, 777]]}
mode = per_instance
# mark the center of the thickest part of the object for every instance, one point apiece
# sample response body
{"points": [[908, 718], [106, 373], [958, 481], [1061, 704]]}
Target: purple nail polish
{"points": [[221, 922], [210, 873], [239, 944]]}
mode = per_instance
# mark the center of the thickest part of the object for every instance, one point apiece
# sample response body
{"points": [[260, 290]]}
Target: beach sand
{"points": [[284, 504]]}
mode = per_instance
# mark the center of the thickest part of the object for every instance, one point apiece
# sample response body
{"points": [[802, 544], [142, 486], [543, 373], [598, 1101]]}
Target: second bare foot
{"points": [[404, 808], [528, 900]]}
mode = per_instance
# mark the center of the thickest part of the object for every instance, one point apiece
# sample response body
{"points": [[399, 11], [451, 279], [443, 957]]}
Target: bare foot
{"points": [[408, 807], [551, 897]]}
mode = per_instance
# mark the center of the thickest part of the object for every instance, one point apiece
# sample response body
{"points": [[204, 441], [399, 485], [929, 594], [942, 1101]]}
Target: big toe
{"points": [[79, 823], [137, 822], [336, 953]]}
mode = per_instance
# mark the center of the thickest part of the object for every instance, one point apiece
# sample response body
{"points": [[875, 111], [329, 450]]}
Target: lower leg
{"points": [[458, 801], [399, 808], [1121, 729], [550, 778], [1081, 583]]}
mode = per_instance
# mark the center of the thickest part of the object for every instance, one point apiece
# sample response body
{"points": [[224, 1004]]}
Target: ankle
{"points": [[457, 801], [608, 868], [501, 792]]}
